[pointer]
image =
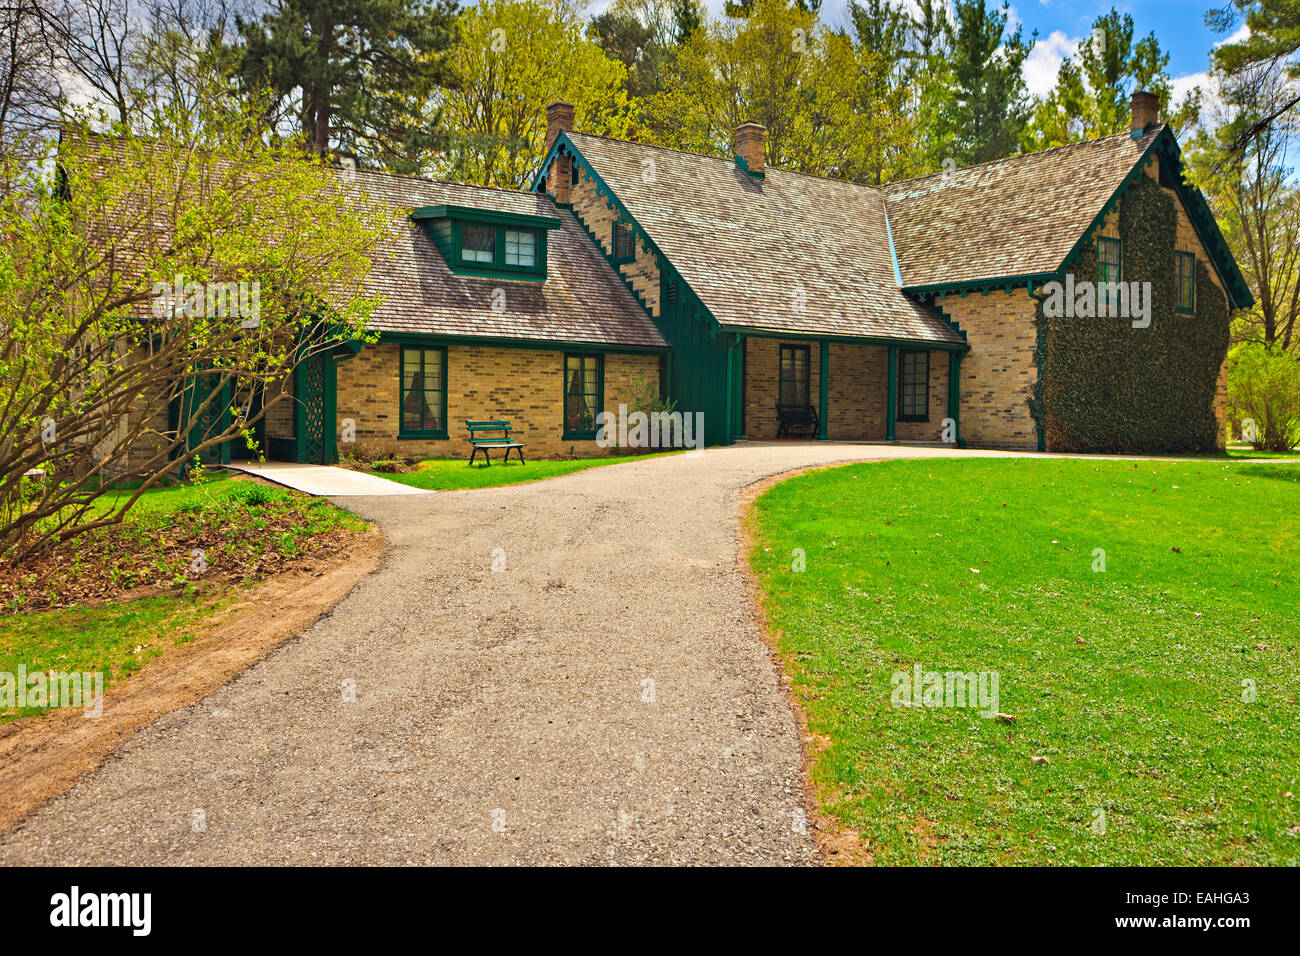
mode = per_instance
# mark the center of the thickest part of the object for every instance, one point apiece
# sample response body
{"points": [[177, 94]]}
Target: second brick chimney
{"points": [[750, 143], [559, 117], [1146, 113]]}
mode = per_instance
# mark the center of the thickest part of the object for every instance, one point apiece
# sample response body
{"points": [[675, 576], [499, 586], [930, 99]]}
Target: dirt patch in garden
{"points": [[42, 757], [837, 845]]}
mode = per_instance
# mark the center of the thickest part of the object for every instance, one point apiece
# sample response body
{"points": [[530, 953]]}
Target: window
{"points": [[1185, 282], [573, 173], [1109, 268], [1108, 260], [584, 394], [521, 248], [424, 393], [913, 386], [477, 243], [794, 375], [624, 243]]}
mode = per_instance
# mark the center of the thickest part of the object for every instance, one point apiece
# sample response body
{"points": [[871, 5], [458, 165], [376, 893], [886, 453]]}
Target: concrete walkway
{"points": [[560, 672], [325, 480]]}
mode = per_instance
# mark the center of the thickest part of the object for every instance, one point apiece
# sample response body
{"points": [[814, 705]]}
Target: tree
{"points": [[513, 58], [1256, 199], [1274, 39], [776, 66], [989, 109], [95, 350], [1094, 87], [358, 72]]}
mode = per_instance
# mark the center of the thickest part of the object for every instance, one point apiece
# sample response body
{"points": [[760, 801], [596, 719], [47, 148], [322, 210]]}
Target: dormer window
{"points": [[521, 247], [487, 243], [477, 243]]}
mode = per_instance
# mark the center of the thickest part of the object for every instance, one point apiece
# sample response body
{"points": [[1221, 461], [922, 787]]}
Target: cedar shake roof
{"points": [[582, 300], [1012, 217], [746, 246], [792, 253]]}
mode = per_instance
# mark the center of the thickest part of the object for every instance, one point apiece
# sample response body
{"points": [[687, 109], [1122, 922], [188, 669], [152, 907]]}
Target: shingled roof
{"points": [[1012, 217], [583, 300], [792, 254], [803, 254]]}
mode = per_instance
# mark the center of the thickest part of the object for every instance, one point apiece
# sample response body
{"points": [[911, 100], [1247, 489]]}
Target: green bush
{"points": [[1264, 396]]}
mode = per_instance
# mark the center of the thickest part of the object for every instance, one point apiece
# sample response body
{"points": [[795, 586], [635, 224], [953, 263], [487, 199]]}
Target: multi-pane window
{"points": [[478, 243], [521, 248], [1109, 260], [583, 388], [914, 386], [424, 391], [1185, 281], [793, 375], [624, 244]]}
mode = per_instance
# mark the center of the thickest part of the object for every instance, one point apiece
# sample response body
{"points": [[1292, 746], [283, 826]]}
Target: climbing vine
{"points": [[1106, 386]]}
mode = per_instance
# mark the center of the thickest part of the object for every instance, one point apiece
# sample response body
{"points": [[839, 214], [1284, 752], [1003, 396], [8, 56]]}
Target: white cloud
{"points": [[1045, 60], [1241, 33]]}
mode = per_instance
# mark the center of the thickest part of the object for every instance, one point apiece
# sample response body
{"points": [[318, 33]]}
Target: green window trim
{"points": [[913, 386], [794, 375], [508, 242], [1185, 282], [584, 395], [413, 395], [622, 243]]}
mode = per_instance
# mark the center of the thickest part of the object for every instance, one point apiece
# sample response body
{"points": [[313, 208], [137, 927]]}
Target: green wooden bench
{"points": [[486, 444]]}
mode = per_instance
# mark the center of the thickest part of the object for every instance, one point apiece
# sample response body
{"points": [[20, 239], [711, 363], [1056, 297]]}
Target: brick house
{"points": [[757, 296]]}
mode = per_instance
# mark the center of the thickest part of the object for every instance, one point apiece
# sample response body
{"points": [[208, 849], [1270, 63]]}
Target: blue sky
{"points": [[1179, 25]]}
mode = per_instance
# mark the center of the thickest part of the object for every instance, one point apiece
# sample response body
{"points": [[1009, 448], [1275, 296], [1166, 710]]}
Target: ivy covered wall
{"points": [[1107, 387]]}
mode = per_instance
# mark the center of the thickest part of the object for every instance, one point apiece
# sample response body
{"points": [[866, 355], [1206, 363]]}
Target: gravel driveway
{"points": [[605, 698]]}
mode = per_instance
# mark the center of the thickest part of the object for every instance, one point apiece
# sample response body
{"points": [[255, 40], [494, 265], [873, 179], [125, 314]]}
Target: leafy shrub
{"points": [[1264, 396]]}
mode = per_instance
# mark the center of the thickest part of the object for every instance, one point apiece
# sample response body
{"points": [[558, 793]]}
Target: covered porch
{"points": [[856, 390]]}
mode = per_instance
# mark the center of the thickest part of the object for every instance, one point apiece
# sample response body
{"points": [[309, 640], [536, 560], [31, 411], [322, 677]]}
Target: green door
{"points": [[212, 420], [314, 383]]}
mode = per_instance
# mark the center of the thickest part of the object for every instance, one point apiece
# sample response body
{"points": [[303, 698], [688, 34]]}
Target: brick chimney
{"points": [[750, 142], [559, 116], [1146, 113]]}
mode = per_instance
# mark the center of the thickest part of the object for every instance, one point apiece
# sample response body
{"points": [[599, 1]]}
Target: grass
{"points": [[1132, 682], [115, 639], [1246, 451], [455, 474], [243, 530]]}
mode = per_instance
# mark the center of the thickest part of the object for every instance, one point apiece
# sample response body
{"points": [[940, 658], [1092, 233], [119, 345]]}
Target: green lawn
{"points": [[116, 639], [1246, 451], [455, 474], [1131, 682], [244, 531]]}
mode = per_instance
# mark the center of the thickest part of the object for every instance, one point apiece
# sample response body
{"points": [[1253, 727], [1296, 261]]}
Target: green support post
{"points": [[954, 396], [891, 397], [825, 352]]}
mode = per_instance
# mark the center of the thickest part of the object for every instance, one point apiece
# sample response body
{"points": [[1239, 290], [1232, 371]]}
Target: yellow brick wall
{"points": [[858, 381], [999, 373], [525, 386], [593, 211]]}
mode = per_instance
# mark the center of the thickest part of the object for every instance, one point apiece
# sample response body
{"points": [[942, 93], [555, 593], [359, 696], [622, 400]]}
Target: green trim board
{"points": [[954, 396], [436, 339], [493, 216], [756, 333]]}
